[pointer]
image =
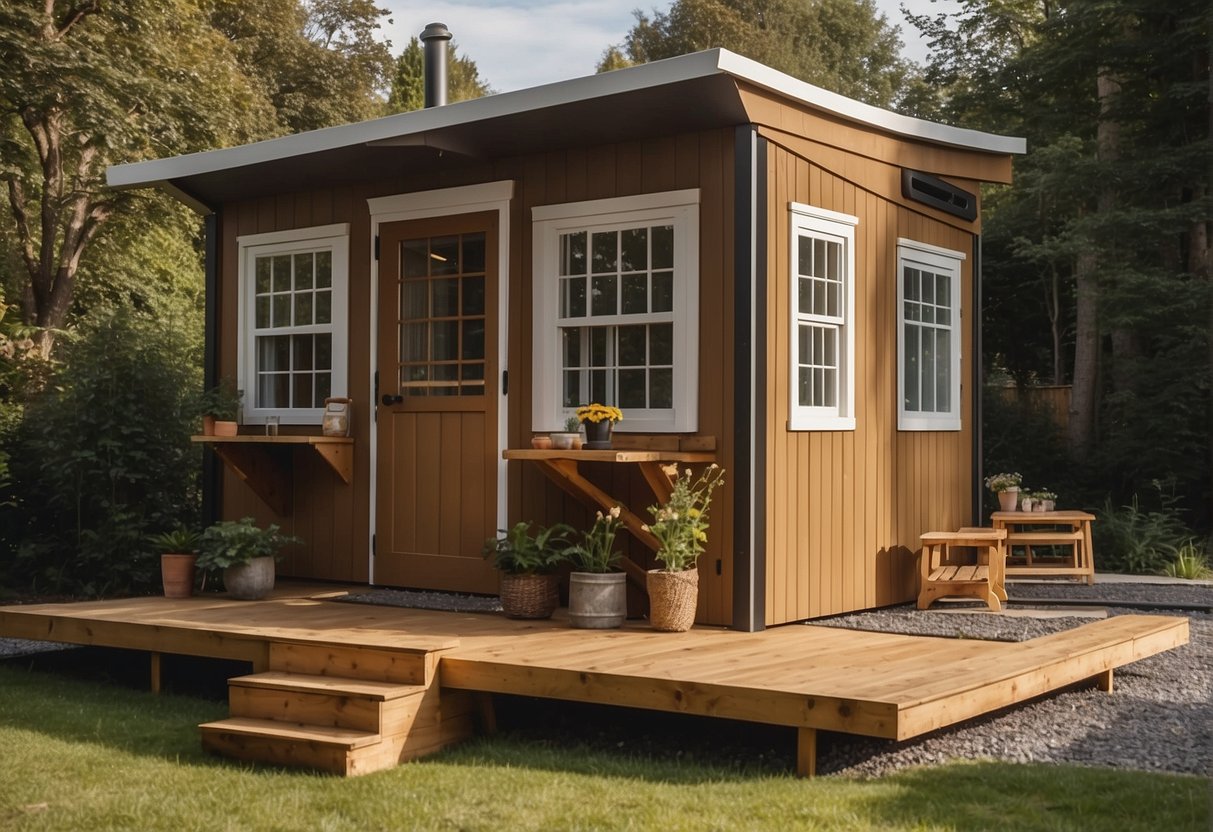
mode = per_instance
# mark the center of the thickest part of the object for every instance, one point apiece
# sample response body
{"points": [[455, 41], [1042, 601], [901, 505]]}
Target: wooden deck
{"points": [[322, 667]]}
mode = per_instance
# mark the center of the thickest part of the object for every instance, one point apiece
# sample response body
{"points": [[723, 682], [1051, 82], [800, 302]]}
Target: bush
{"points": [[1137, 540], [101, 460]]}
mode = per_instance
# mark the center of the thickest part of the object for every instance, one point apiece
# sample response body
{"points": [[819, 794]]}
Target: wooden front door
{"points": [[438, 452]]}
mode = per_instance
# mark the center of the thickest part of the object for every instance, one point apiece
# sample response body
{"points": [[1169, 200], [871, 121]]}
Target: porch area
{"points": [[353, 688]]}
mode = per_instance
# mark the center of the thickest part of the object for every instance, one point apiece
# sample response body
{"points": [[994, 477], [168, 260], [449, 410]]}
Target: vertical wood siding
{"points": [[333, 518], [845, 508]]}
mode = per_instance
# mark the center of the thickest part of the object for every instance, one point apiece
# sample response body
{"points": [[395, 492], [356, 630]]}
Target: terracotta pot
{"points": [[208, 425], [541, 443], [250, 581], [673, 597], [177, 575], [1008, 500], [225, 428], [597, 601]]}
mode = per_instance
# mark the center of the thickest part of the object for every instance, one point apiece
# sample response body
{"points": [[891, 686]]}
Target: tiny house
{"points": [[755, 270]]}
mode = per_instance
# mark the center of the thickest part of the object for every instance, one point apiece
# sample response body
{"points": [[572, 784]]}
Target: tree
{"points": [[408, 80], [84, 85], [842, 45]]}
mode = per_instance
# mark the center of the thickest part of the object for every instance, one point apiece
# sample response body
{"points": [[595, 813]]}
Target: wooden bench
{"points": [[982, 579]]}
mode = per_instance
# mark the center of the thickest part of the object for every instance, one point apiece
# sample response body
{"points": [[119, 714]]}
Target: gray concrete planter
{"points": [[597, 601], [250, 581]]}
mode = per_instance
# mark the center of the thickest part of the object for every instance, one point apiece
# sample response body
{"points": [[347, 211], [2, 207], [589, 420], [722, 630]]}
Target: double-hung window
{"points": [[616, 285], [822, 303], [928, 336], [293, 327]]}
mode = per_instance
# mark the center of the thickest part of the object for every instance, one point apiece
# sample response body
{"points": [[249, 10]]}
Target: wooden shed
{"points": [[754, 269]]}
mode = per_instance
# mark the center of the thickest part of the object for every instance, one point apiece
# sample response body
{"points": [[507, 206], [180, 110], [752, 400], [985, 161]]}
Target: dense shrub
{"points": [[101, 459], [1140, 540]]}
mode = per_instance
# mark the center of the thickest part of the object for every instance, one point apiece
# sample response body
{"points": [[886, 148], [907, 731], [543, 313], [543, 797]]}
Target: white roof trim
{"points": [[658, 73]]}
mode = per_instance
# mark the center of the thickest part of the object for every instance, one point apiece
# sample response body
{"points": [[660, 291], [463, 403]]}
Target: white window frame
{"points": [[833, 226], [677, 208], [335, 238], [913, 254]]}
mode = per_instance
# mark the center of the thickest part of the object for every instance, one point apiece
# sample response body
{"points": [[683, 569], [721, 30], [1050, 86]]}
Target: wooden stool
{"points": [[982, 580]]}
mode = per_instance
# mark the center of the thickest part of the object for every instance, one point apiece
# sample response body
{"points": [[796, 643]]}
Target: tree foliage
{"points": [[408, 79], [1096, 261], [846, 46]]}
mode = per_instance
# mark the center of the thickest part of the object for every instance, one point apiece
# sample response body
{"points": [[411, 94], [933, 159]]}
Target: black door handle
{"points": [[389, 399]]}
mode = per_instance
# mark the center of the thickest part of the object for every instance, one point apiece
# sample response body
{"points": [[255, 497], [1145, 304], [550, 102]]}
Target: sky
{"points": [[519, 43]]}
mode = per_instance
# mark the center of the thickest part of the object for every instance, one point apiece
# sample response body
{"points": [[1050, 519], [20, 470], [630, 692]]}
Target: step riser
{"points": [[308, 708], [354, 663], [275, 751]]}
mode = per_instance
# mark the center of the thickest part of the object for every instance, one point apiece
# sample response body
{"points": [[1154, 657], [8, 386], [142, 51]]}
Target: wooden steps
{"points": [[384, 707]]}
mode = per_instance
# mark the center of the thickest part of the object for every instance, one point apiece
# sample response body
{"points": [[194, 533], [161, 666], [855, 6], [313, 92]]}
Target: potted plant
{"points": [[1006, 486], [570, 437], [1027, 500], [1048, 500], [246, 554], [526, 561], [598, 598], [179, 553], [599, 421], [681, 527], [220, 407]]}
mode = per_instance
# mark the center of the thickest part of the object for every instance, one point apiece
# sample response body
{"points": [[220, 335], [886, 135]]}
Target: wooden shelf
{"points": [[613, 455], [265, 462]]}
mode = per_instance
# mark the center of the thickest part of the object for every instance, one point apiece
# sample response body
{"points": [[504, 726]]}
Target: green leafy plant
{"points": [[596, 551], [1190, 563], [572, 425], [681, 524], [518, 552], [233, 542], [1137, 540], [179, 541], [221, 401]]}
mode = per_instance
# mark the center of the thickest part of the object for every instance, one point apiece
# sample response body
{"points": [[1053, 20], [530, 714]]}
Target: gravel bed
{"points": [[417, 599], [1159, 717]]}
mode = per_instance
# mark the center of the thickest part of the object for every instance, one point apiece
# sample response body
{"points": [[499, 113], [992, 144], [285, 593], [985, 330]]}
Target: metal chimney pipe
{"points": [[435, 38]]}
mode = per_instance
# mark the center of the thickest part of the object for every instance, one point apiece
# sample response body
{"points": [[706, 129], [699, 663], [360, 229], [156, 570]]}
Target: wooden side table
{"points": [[1025, 529], [982, 580]]}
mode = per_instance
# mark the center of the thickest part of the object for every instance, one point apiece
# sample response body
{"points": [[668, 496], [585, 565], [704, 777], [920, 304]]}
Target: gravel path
{"points": [[1160, 717]]}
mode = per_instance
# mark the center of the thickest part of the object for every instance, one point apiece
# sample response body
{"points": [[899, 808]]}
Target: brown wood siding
{"points": [[845, 508], [332, 518]]}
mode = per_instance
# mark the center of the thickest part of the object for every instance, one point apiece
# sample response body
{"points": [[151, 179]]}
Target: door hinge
{"points": [[719, 566], [505, 382], [376, 248], [373, 545], [375, 397]]}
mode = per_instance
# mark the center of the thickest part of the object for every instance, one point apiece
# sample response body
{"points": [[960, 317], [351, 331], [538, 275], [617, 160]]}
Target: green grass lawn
{"points": [[76, 755]]}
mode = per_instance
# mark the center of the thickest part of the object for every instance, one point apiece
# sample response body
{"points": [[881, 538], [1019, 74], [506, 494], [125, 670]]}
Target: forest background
{"points": [[1096, 261]]}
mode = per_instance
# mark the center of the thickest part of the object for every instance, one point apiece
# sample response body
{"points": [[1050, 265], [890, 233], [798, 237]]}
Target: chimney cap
{"points": [[436, 30]]}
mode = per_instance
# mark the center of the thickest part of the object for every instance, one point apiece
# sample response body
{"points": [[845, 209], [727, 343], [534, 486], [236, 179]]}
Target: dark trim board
{"points": [[976, 383], [212, 468], [749, 391]]}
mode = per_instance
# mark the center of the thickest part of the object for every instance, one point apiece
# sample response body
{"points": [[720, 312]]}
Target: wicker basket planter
{"points": [[529, 596], [673, 597]]}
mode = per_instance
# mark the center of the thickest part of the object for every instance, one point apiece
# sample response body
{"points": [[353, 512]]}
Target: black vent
{"points": [[930, 190]]}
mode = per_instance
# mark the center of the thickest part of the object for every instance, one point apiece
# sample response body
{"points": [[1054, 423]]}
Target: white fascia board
{"points": [[772, 79], [656, 74]]}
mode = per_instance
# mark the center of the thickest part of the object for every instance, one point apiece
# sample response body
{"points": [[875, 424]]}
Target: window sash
{"points": [[928, 302]]}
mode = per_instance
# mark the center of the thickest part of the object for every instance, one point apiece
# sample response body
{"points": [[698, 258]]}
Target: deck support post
{"points": [[155, 672], [488, 714], [806, 752], [1103, 681]]}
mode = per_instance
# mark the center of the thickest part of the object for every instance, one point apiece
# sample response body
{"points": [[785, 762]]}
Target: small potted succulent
{"points": [[1006, 486], [1047, 500], [570, 437], [526, 562], [246, 554], [599, 422], [178, 556], [598, 598]]}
